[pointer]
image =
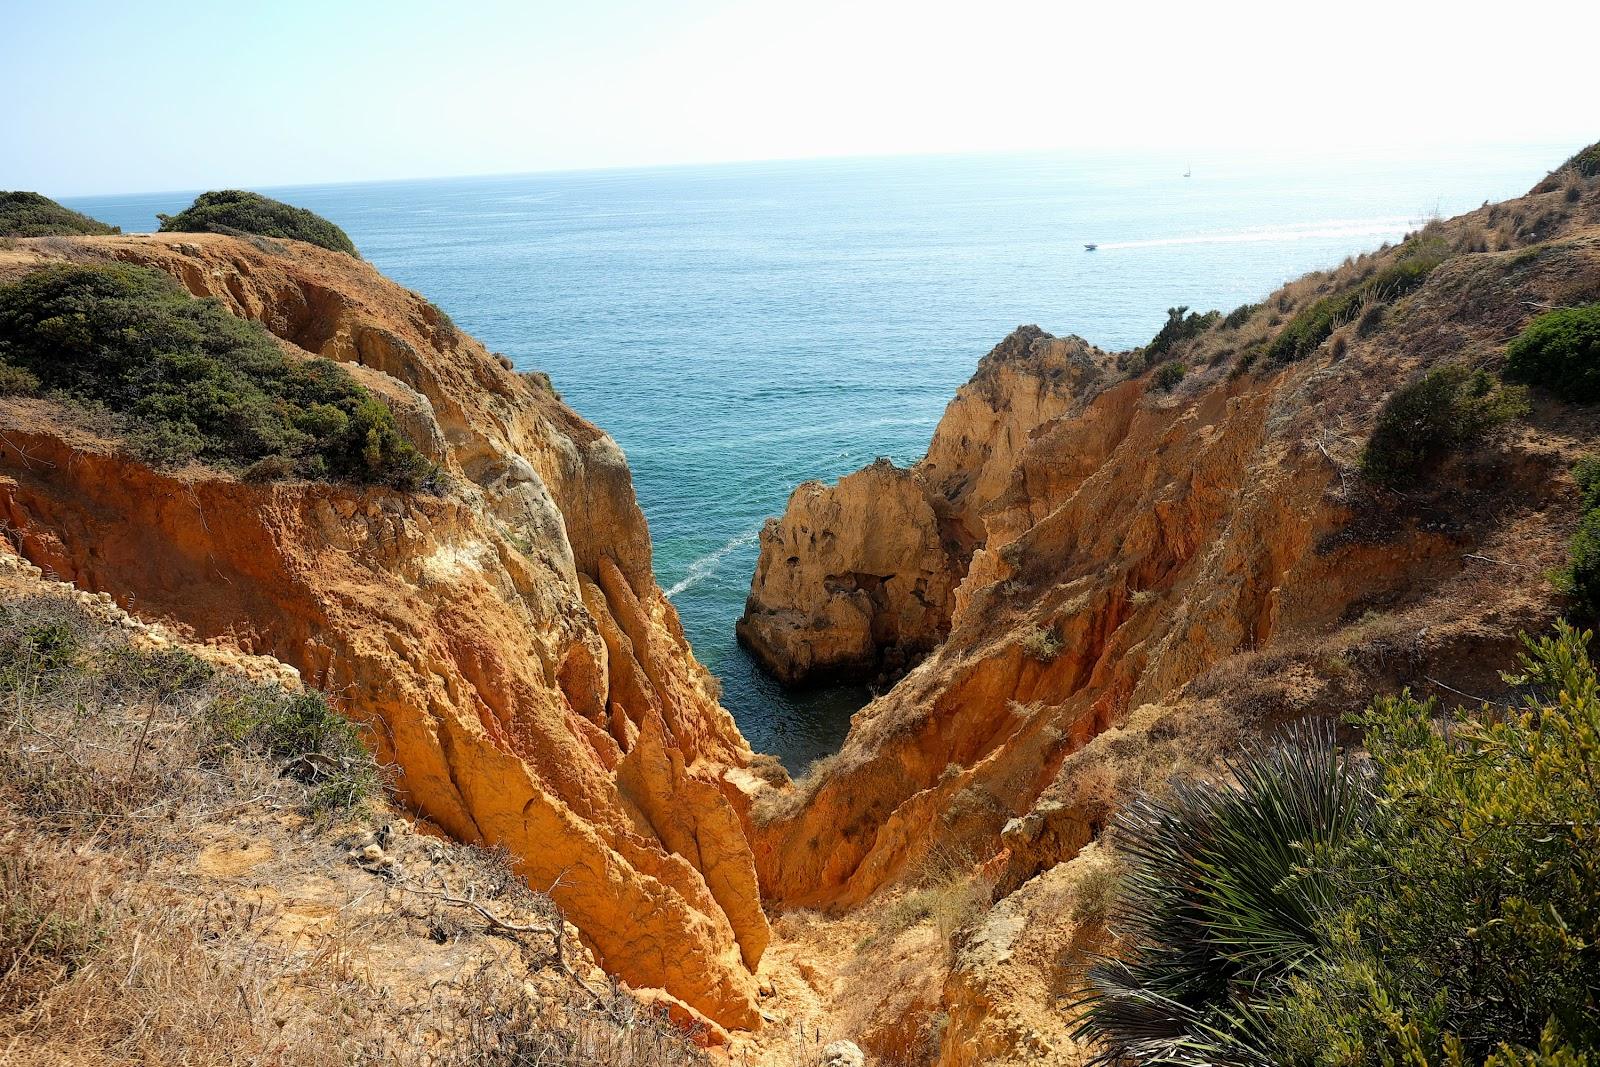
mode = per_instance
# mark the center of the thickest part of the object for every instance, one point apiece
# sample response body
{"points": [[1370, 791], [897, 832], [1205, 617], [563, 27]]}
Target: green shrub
{"points": [[1170, 374], [1447, 409], [31, 215], [1442, 907], [1177, 330], [188, 381], [1417, 259], [1468, 919], [315, 744], [14, 381], [1580, 578], [1239, 316], [1560, 351], [234, 210], [1586, 162]]}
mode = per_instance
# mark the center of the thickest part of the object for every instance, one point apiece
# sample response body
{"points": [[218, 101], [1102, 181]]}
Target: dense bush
{"points": [[1469, 918], [234, 210], [1170, 374], [1239, 316], [187, 381], [1560, 351], [31, 215], [1441, 908], [1580, 578], [1303, 333], [1445, 410], [1178, 329]]}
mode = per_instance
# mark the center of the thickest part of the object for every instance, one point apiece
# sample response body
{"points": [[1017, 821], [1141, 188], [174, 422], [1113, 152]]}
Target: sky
{"points": [[107, 96]]}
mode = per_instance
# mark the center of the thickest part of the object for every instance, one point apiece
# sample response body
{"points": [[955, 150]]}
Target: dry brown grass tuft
{"points": [[496, 1025], [97, 973], [780, 802]]}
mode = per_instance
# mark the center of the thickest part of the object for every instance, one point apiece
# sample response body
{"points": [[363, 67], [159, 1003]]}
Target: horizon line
{"points": [[1176, 151]]}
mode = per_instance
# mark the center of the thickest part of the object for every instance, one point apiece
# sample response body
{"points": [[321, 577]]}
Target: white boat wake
{"points": [[1392, 228]]}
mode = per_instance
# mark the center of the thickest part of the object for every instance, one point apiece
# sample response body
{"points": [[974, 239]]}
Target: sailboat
{"points": [[1187, 170]]}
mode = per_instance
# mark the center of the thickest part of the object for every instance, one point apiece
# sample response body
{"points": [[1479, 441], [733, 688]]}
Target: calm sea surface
{"points": [[741, 328]]}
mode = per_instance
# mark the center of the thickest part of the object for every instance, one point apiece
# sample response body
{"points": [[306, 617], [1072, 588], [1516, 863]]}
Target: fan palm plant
{"points": [[1225, 898]]}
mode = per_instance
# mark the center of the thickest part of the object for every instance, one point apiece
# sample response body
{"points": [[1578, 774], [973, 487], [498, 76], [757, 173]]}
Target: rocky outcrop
{"points": [[862, 575], [851, 572], [505, 639]]}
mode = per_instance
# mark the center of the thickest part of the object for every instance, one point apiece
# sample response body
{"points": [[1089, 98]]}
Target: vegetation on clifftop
{"points": [[1308, 329], [1560, 351], [1441, 906], [238, 211], [186, 381], [31, 215], [1447, 409], [1176, 330]]}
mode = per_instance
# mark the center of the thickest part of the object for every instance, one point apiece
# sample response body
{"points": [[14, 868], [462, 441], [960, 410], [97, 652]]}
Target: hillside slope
{"points": [[1144, 568], [195, 869]]}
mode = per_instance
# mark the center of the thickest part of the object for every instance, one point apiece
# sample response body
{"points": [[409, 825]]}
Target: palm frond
{"points": [[1226, 890]]}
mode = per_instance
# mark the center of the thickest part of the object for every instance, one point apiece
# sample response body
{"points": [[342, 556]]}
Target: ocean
{"points": [[741, 328]]}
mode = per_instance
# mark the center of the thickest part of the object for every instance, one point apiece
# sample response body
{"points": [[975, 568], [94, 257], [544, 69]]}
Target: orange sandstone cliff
{"points": [[869, 569], [505, 639], [1114, 584]]}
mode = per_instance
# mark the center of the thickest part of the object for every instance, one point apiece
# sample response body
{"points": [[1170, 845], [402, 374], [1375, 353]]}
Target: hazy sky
{"points": [[120, 96]]}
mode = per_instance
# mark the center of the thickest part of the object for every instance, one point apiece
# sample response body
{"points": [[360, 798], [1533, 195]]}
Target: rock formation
{"points": [[505, 639], [869, 568], [1104, 579]]}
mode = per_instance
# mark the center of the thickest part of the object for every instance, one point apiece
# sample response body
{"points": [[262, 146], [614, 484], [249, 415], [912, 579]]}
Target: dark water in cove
{"points": [[741, 328]]}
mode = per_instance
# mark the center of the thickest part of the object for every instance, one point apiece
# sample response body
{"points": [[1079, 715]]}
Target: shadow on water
{"points": [[798, 726]]}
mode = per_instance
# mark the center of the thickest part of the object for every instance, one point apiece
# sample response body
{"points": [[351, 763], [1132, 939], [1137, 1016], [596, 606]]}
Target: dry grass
{"points": [[496, 1025], [118, 762], [99, 973], [945, 893], [1042, 643], [782, 802]]}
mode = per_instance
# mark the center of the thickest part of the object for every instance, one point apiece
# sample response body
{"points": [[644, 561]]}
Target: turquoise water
{"points": [[741, 328]]}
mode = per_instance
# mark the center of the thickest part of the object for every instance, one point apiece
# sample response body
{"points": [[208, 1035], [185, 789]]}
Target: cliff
{"points": [[867, 571], [1118, 575], [504, 638], [1108, 571]]}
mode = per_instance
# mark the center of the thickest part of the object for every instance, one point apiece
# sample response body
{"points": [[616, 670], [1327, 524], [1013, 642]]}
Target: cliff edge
{"points": [[502, 636]]}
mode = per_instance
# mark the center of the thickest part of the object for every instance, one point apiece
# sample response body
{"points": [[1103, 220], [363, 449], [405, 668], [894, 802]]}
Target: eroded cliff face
{"points": [[864, 574], [1140, 579], [505, 639]]}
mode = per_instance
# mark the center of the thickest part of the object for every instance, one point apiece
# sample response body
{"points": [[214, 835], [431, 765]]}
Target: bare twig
{"points": [[1463, 693], [1491, 559]]}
